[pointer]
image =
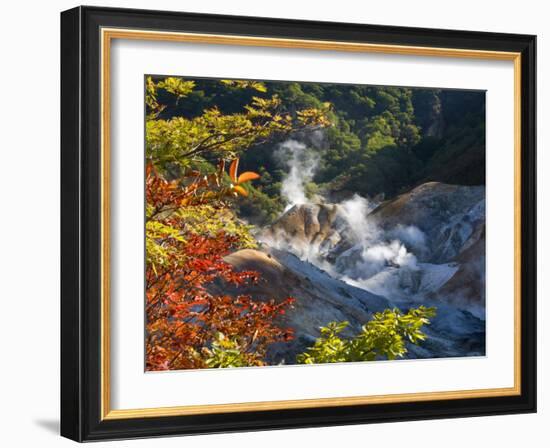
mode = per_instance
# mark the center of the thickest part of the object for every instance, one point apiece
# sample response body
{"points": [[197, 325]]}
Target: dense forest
{"points": [[381, 141]]}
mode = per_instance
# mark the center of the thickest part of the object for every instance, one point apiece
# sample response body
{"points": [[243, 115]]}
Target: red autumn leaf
{"points": [[183, 314]]}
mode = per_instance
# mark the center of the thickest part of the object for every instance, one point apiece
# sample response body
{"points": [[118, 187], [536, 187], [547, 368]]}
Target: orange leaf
{"points": [[233, 170], [246, 176], [240, 190]]}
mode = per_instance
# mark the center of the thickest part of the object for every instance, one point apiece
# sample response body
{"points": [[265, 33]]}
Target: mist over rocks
{"points": [[318, 178], [320, 298], [447, 215], [416, 242], [306, 229], [343, 261], [453, 219]]}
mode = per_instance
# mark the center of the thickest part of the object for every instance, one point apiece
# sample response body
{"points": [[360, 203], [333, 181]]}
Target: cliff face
{"points": [[345, 261], [447, 214], [452, 218], [307, 224], [320, 298], [310, 231]]}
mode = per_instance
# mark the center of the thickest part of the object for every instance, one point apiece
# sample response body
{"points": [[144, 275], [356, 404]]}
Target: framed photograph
{"points": [[276, 224]]}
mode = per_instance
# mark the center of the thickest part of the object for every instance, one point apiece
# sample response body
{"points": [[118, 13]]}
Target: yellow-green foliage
{"points": [[176, 86], [245, 84], [183, 141], [156, 235], [225, 352], [208, 220], [383, 337], [200, 220], [180, 140], [151, 94]]}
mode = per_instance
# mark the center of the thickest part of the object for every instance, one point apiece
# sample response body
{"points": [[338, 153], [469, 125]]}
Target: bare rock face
{"points": [[424, 247], [447, 214], [429, 241], [453, 219], [306, 225], [466, 288], [319, 298]]}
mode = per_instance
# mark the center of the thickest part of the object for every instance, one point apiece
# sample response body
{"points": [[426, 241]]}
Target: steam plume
{"points": [[302, 165]]}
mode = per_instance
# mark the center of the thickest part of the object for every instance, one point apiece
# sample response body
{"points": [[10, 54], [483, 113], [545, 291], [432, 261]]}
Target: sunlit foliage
{"points": [[185, 246], [190, 228], [383, 337], [193, 186], [181, 141]]}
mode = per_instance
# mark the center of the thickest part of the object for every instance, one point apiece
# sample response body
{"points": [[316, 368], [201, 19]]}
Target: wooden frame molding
{"points": [[109, 34], [87, 35]]}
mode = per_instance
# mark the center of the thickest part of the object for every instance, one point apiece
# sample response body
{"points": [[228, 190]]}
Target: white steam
{"points": [[359, 252], [354, 211], [302, 164], [374, 249]]}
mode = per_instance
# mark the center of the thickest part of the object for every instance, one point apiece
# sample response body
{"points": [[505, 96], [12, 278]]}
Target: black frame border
{"points": [[81, 224]]}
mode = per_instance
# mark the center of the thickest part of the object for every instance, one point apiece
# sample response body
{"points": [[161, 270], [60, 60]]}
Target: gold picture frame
{"points": [[106, 32]]}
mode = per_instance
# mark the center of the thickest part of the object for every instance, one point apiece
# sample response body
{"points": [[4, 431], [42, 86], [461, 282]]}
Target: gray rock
{"points": [[424, 247], [447, 214], [319, 298]]}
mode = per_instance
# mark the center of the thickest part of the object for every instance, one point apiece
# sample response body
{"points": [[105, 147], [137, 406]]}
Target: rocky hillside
{"points": [[320, 298], [344, 261], [452, 218]]}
